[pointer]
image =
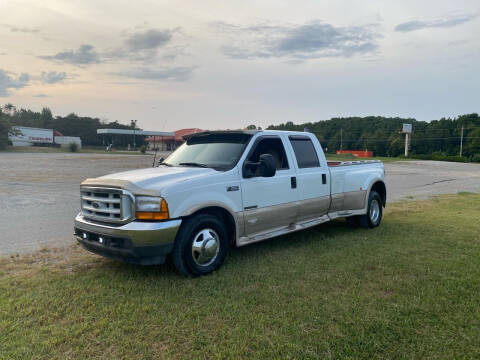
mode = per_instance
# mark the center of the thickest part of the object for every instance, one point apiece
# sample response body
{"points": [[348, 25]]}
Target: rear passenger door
{"points": [[312, 179], [269, 202]]}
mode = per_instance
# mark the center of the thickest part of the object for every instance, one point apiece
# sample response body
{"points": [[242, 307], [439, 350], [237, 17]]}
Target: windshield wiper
{"points": [[194, 164], [164, 163]]}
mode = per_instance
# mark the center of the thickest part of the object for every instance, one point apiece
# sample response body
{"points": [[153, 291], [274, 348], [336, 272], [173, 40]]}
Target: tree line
{"points": [[382, 135], [376, 133]]}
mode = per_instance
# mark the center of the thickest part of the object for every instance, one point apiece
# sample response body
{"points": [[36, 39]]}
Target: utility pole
{"points": [[461, 143], [341, 138], [134, 122], [407, 143], [407, 130]]}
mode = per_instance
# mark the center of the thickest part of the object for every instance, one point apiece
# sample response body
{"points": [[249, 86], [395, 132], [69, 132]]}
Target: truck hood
{"points": [[150, 181]]}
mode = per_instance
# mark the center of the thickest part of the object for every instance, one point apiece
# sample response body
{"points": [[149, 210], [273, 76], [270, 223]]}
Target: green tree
{"points": [[472, 147], [4, 130], [46, 118], [381, 134]]}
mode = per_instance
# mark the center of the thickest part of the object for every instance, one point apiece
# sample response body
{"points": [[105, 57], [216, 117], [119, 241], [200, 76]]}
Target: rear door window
{"points": [[305, 152]]}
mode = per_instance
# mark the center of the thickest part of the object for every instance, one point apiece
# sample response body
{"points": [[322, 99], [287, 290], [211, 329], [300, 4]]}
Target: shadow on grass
{"points": [[241, 257]]}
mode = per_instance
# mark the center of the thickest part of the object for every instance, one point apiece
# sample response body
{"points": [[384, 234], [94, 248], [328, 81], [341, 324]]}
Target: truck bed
{"points": [[354, 162], [348, 179]]}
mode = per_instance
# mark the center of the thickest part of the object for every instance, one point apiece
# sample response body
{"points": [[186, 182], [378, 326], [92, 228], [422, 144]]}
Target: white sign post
{"points": [[407, 130]]}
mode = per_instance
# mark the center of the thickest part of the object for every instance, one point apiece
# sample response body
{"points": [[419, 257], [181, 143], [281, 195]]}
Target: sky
{"points": [[228, 64]]}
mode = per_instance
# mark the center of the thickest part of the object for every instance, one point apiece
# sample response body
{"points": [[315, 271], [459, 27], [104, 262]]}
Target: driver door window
{"points": [[274, 147]]}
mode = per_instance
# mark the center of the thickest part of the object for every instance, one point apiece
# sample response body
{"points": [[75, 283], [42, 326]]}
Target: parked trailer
{"points": [[28, 136]]}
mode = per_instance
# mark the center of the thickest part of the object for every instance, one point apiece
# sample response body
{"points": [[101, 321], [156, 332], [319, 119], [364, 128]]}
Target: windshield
{"points": [[218, 151]]}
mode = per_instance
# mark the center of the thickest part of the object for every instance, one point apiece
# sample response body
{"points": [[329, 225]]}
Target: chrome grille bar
{"points": [[109, 200], [106, 204]]}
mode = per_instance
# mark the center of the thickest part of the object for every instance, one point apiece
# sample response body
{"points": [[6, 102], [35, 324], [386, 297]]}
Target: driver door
{"points": [[269, 203]]}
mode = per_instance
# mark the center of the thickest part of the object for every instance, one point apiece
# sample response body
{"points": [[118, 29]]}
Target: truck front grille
{"points": [[106, 205]]}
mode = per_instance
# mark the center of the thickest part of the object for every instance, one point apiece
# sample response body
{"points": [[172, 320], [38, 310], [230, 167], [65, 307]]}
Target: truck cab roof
{"points": [[247, 132]]}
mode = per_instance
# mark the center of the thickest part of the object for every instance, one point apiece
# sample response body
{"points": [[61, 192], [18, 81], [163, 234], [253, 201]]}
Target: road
{"points": [[422, 179], [39, 193]]}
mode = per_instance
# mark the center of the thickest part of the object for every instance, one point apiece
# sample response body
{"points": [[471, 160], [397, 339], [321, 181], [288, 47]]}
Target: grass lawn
{"points": [[408, 289]]}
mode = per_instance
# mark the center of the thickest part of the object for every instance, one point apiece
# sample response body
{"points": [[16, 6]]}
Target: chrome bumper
{"points": [[137, 242]]}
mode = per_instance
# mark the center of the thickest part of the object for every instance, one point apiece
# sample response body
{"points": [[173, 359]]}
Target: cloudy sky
{"points": [[227, 64]]}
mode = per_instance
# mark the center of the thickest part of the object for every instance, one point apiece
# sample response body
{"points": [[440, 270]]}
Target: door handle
{"points": [[293, 182], [324, 178]]}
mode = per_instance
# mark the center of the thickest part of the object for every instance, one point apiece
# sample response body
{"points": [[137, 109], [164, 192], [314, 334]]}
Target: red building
{"points": [[170, 143]]}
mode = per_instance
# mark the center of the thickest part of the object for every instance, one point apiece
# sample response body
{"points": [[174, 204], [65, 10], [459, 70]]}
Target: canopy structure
{"points": [[133, 132]]}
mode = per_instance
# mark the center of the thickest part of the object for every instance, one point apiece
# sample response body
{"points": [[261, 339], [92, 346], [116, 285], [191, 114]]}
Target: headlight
{"points": [[151, 208]]}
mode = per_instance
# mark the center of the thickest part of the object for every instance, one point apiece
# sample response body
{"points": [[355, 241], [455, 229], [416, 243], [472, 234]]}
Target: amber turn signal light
{"points": [[154, 215]]}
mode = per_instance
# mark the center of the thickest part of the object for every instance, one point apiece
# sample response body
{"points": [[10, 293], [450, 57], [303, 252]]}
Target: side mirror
{"points": [[265, 167], [160, 161]]}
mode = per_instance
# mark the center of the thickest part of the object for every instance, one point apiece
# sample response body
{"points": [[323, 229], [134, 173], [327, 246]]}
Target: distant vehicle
{"points": [[221, 189]]}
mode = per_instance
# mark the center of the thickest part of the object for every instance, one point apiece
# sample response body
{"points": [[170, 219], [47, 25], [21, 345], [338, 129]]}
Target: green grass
{"points": [[34, 149], [408, 289]]}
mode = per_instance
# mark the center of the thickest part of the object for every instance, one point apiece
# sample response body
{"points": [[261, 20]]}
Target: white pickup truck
{"points": [[222, 189]]}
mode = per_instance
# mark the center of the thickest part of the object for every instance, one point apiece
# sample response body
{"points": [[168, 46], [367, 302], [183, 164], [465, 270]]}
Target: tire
{"points": [[373, 217], [200, 246]]}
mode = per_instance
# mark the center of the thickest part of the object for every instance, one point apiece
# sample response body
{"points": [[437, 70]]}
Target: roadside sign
{"points": [[407, 128]]}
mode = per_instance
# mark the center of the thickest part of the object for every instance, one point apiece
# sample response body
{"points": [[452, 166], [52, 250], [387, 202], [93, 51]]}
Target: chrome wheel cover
{"points": [[205, 247], [374, 211]]}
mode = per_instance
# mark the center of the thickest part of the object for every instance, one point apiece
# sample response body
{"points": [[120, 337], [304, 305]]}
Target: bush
{"points": [[73, 147], [475, 158], [440, 157], [143, 149], [4, 128]]}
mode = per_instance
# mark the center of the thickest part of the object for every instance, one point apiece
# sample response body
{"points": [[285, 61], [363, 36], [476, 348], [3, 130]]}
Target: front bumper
{"points": [[138, 242]]}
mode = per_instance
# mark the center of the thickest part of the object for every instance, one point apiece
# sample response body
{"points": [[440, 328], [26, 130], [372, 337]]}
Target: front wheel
{"points": [[201, 245], [373, 217]]}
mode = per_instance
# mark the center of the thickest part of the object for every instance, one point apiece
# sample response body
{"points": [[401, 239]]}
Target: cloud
{"points": [[150, 39], [446, 22], [53, 77], [298, 42], [14, 28], [41, 96], [144, 45], [85, 55], [138, 46], [174, 74], [8, 82]]}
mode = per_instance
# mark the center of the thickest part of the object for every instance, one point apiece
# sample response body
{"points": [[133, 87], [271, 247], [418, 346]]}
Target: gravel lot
{"points": [[39, 193]]}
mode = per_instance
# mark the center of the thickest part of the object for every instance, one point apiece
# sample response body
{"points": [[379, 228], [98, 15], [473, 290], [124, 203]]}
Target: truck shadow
{"points": [[337, 231]]}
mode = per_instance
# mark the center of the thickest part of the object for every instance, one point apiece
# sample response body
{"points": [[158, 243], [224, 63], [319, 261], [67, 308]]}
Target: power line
{"points": [[461, 143], [413, 139], [415, 130]]}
